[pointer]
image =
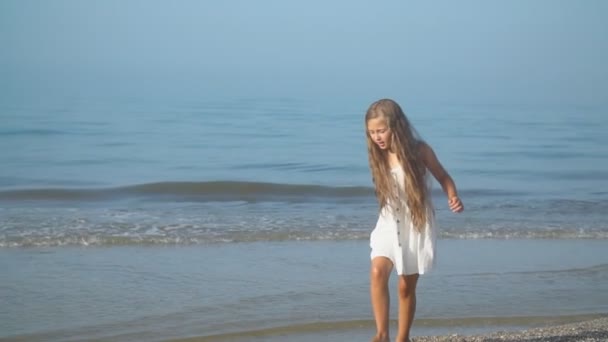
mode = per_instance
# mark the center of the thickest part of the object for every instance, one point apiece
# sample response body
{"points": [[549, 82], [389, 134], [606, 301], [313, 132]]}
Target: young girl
{"points": [[404, 236]]}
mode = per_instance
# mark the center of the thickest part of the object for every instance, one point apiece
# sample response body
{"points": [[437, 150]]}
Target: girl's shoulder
{"points": [[425, 152], [422, 147]]}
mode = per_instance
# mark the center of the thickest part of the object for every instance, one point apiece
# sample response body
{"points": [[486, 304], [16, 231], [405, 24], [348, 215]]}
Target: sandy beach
{"points": [[591, 330], [588, 331]]}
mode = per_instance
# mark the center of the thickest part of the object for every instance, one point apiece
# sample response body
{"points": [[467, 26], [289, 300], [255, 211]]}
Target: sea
{"points": [[196, 218]]}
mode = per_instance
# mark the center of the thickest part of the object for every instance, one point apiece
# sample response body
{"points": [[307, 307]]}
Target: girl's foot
{"points": [[381, 338]]}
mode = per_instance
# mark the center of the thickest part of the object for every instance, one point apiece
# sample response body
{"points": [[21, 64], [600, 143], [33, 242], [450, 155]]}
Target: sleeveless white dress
{"points": [[395, 237]]}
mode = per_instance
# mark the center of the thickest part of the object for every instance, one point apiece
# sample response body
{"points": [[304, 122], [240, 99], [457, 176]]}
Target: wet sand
{"points": [[588, 331]]}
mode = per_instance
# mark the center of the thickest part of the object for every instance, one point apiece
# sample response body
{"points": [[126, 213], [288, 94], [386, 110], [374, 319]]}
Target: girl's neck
{"points": [[392, 159]]}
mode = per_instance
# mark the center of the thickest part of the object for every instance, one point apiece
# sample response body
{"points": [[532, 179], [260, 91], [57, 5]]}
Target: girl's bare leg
{"points": [[407, 305], [379, 275]]}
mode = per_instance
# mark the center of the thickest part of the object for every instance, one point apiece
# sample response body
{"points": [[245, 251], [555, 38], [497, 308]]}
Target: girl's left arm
{"points": [[447, 183]]}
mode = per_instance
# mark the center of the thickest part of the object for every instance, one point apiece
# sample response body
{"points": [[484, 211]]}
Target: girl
{"points": [[404, 236]]}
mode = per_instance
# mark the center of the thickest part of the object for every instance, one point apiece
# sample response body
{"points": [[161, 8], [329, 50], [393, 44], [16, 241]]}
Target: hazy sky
{"points": [[486, 51]]}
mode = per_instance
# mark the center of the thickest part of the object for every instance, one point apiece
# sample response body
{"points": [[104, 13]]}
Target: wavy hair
{"points": [[405, 143]]}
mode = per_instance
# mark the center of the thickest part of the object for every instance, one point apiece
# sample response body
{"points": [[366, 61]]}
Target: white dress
{"points": [[395, 237]]}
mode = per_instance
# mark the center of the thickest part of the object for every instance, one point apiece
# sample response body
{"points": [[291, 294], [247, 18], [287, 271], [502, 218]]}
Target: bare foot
{"points": [[381, 338]]}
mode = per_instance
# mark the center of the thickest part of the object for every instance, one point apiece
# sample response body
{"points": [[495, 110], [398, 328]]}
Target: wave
{"points": [[34, 132], [203, 236], [573, 272], [210, 191]]}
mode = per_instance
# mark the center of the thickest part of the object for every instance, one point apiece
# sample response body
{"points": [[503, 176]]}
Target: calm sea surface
{"points": [[158, 219]]}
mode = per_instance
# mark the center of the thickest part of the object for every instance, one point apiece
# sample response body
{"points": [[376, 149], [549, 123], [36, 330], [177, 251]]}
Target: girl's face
{"points": [[379, 133]]}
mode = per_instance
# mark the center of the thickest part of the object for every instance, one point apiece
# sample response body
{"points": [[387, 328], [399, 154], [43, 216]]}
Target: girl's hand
{"points": [[455, 204]]}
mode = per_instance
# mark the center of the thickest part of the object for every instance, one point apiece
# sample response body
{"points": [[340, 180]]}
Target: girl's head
{"points": [[387, 126], [389, 131]]}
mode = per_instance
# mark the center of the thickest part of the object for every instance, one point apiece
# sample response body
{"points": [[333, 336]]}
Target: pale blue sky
{"points": [[541, 51]]}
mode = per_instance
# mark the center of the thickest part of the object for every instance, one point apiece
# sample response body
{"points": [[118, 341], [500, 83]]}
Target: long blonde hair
{"points": [[405, 143]]}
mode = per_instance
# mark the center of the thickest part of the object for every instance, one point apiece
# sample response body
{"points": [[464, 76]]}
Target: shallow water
{"points": [[136, 293]]}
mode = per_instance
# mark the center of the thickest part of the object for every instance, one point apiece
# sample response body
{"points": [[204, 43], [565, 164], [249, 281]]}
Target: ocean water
{"points": [[142, 219]]}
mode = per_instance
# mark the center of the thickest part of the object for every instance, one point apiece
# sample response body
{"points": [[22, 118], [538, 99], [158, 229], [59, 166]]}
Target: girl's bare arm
{"points": [[445, 180]]}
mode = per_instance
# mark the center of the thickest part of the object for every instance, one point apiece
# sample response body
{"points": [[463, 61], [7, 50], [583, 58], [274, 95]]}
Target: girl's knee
{"points": [[407, 285], [379, 274], [380, 270]]}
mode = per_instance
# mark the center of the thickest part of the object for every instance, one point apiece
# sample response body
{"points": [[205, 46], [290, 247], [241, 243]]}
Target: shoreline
{"points": [[588, 331]]}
